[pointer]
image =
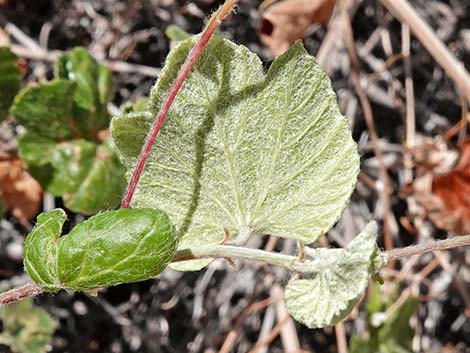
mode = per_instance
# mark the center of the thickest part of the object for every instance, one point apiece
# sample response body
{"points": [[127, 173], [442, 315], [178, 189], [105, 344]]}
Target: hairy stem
{"points": [[18, 293], [420, 249], [293, 263], [193, 55], [239, 252]]}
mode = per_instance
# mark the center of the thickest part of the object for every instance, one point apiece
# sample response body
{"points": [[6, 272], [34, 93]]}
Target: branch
{"points": [[239, 252], [193, 55], [293, 263], [445, 244], [18, 293]]}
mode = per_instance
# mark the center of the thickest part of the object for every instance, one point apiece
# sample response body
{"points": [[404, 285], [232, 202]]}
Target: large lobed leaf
{"points": [[10, 80], [328, 295], [245, 150], [121, 246], [61, 147]]}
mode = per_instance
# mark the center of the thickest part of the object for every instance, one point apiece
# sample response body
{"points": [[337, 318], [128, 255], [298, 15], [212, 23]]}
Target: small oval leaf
{"points": [[326, 297], [122, 246]]}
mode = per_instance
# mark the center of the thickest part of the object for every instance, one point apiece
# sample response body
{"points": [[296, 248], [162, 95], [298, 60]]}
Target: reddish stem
{"points": [[15, 294], [193, 55]]}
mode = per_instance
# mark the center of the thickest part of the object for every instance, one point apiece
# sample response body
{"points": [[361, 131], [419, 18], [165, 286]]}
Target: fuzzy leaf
{"points": [[10, 80], [242, 149], [326, 297], [93, 89], [26, 328], [46, 109], [122, 246]]}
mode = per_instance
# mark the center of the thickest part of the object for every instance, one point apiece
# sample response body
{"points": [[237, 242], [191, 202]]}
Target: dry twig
{"points": [[454, 68]]}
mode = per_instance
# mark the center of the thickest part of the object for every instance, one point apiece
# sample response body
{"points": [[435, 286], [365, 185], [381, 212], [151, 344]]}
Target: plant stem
{"points": [[240, 252], [293, 263], [420, 249], [15, 294], [193, 55]]}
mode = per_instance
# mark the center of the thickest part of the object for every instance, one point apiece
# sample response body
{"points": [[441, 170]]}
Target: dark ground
{"points": [[194, 312]]}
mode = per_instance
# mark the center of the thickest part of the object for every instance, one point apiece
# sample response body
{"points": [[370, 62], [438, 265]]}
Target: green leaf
{"points": [[122, 246], [326, 297], [61, 146], [389, 330], [103, 185], [10, 80], [93, 89], [245, 150], [26, 328], [40, 249], [46, 109], [176, 33], [140, 105], [88, 176]]}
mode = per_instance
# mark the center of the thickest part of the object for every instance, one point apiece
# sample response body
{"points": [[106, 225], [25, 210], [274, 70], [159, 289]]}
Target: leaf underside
{"points": [[324, 298], [244, 150]]}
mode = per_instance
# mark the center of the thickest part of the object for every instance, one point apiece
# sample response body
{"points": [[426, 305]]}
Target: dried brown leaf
{"points": [[283, 22], [446, 198], [20, 193]]}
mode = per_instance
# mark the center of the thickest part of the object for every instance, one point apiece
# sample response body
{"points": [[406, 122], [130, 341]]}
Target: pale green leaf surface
{"points": [[327, 296], [26, 328], [10, 80], [242, 149], [121, 246]]}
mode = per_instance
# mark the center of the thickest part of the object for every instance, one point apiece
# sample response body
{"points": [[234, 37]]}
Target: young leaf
{"points": [[140, 105], [122, 246], [244, 150], [88, 176], [10, 80], [61, 146], [93, 89], [392, 333], [326, 297], [176, 33], [26, 328], [46, 109]]}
